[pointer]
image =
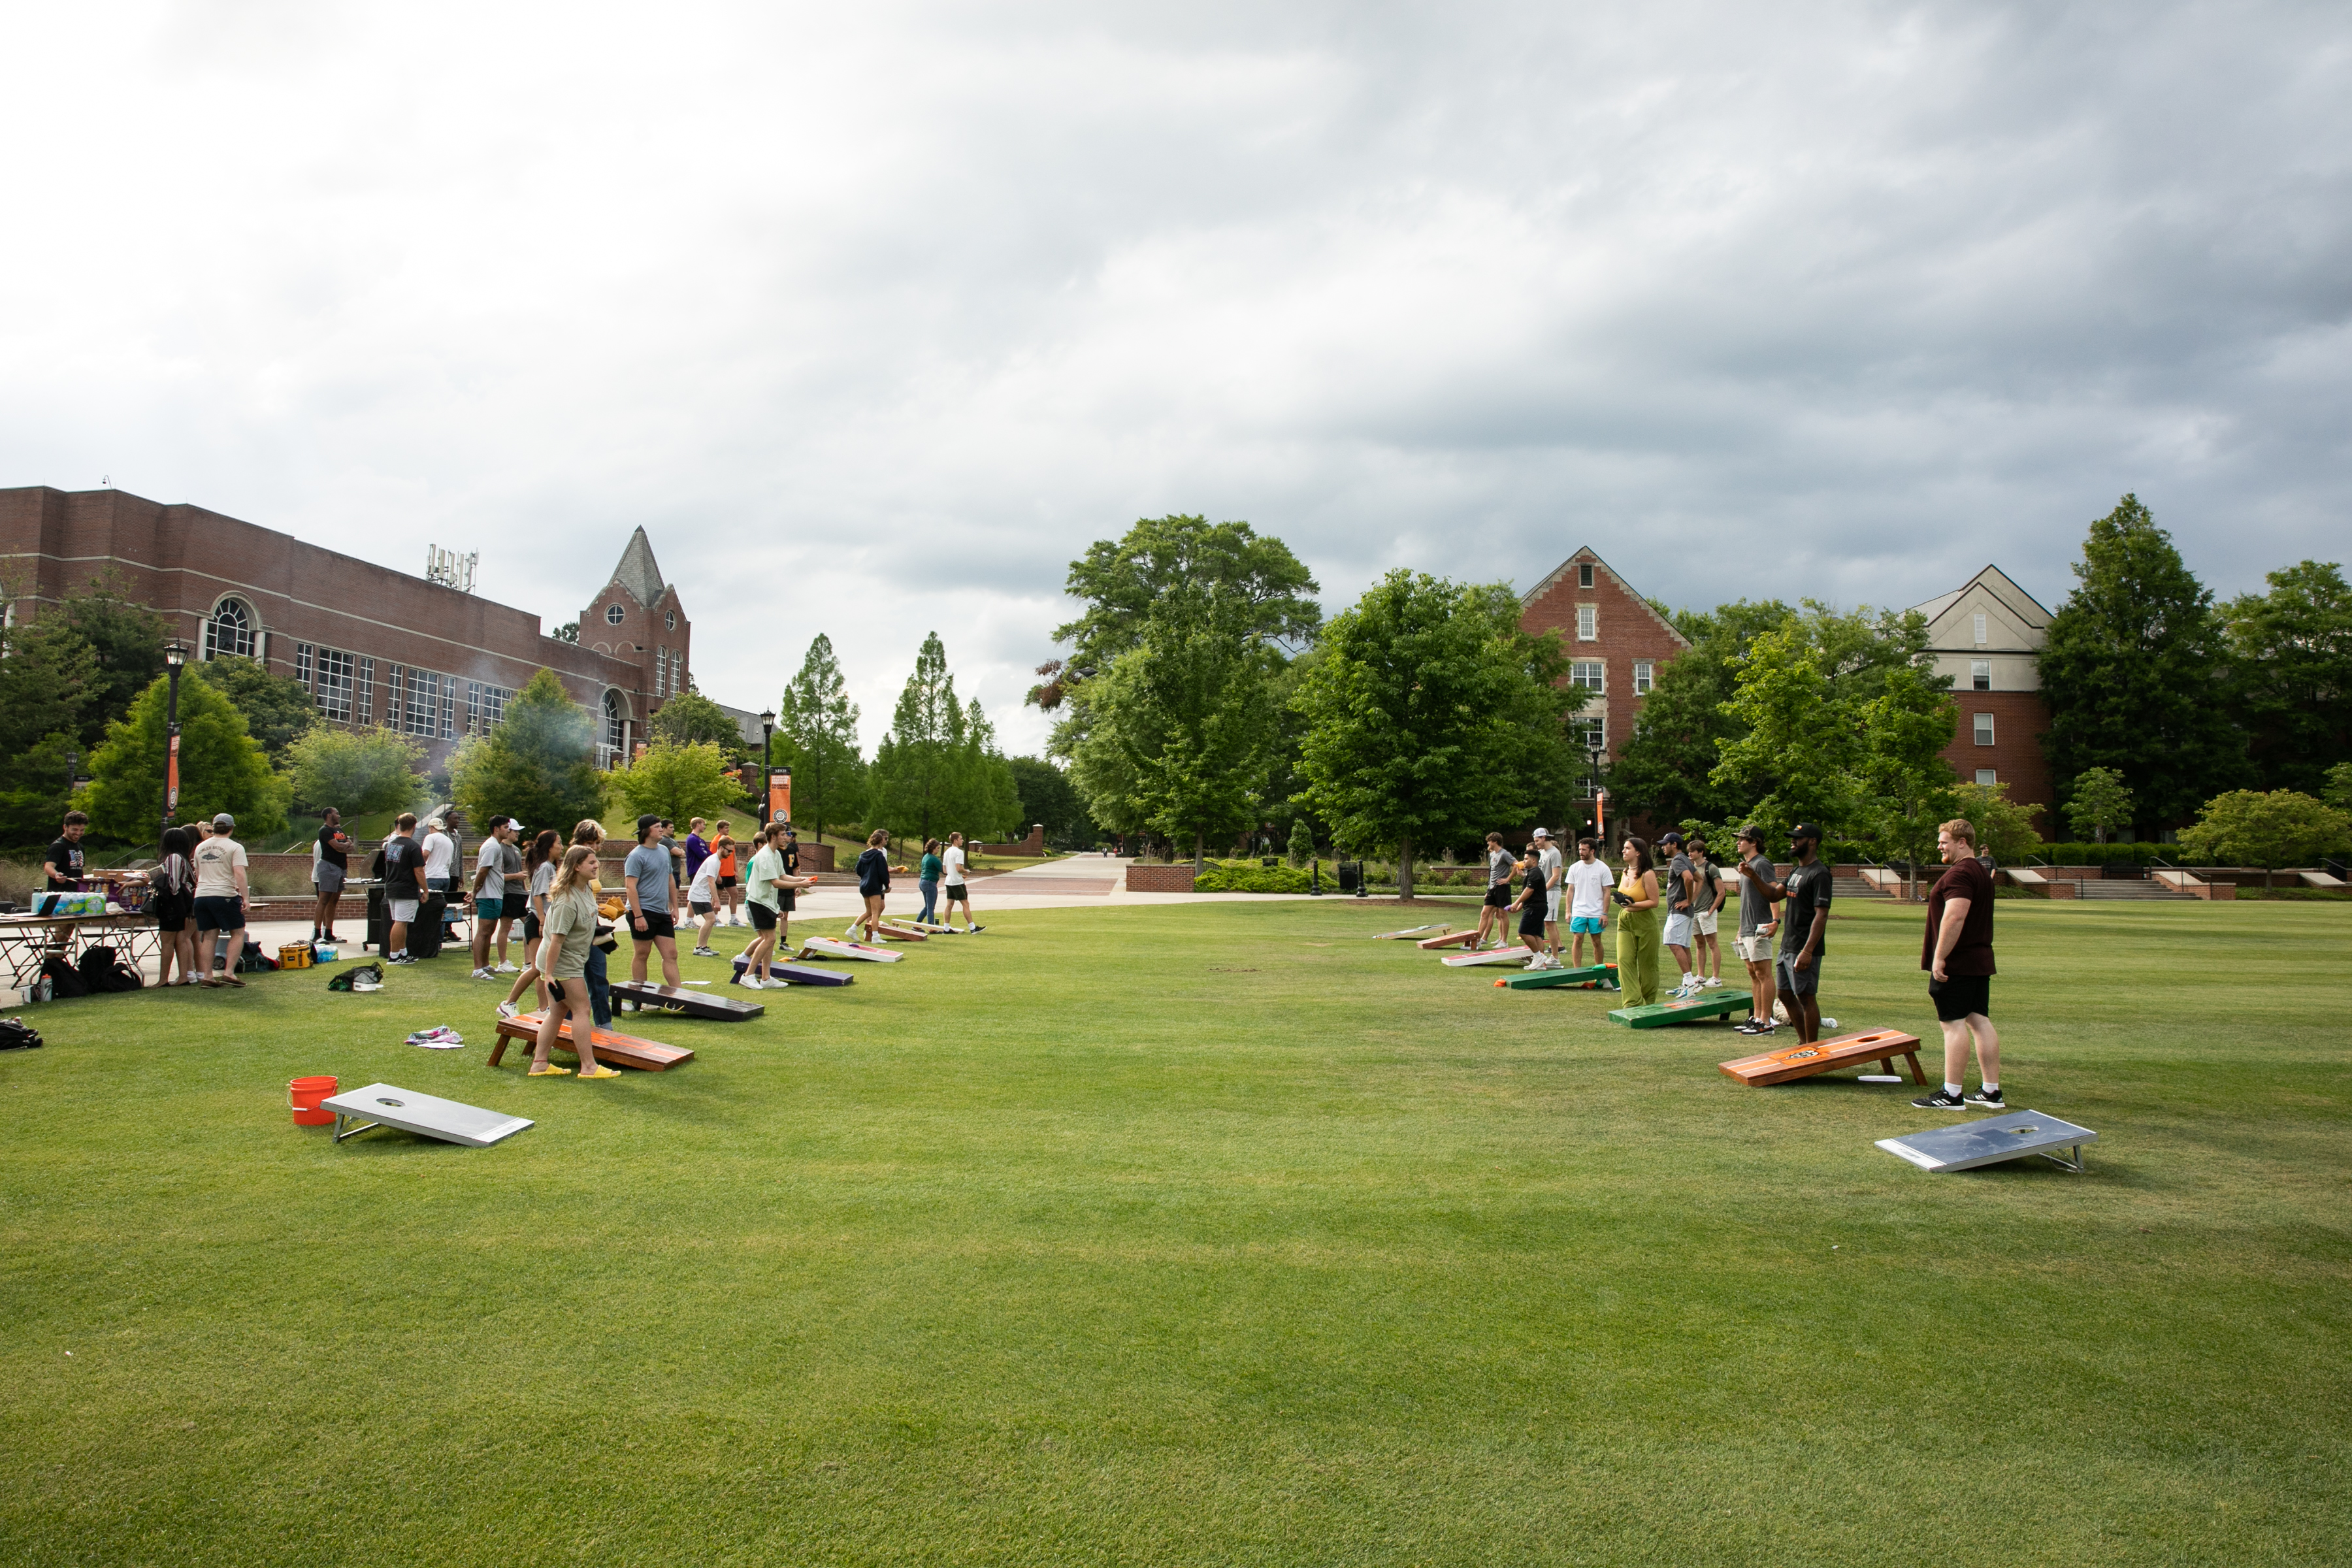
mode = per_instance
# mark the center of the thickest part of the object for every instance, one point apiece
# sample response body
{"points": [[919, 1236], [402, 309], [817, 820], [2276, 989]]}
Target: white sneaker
{"points": [[507, 1009], [1714, 983], [505, 969], [484, 974], [772, 983]]}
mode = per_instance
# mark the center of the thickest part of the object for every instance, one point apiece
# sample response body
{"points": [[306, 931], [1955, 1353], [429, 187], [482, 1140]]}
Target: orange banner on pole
{"points": [[780, 795]]}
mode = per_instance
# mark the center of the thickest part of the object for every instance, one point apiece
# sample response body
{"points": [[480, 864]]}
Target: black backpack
{"points": [[253, 960], [15, 1035], [102, 970], [64, 979]]}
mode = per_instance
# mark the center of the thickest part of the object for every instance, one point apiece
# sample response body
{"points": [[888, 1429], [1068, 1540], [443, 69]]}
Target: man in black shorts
{"points": [[1499, 866], [1956, 953], [649, 875], [1804, 932], [331, 863]]}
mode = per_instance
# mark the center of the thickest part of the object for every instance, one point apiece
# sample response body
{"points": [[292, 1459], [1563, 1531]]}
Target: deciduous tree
{"points": [[1049, 796], [678, 782], [222, 768], [2099, 803], [2005, 829], [358, 771], [277, 708], [2282, 827], [2291, 674], [538, 766]]}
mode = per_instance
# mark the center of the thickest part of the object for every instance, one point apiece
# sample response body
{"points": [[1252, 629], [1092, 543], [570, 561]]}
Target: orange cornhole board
{"points": [[616, 1050], [1879, 1045], [889, 932], [1451, 938]]}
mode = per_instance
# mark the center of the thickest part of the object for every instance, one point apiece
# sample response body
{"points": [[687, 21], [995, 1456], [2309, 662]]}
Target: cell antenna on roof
{"points": [[450, 569]]}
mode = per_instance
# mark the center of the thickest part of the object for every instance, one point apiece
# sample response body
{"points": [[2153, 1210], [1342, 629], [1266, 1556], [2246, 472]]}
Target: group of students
{"points": [[196, 894], [939, 862]]}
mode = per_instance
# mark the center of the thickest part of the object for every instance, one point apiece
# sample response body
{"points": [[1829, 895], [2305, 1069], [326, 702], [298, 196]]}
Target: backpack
{"points": [[253, 960], [15, 1035], [368, 975], [64, 979], [102, 970]]}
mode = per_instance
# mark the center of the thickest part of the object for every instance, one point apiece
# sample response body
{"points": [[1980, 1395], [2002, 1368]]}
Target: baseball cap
{"points": [[224, 820], [1543, 833], [1670, 837], [647, 820], [1804, 830]]}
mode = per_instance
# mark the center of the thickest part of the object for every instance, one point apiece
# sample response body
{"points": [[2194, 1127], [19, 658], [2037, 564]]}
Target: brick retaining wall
{"points": [[1159, 878]]}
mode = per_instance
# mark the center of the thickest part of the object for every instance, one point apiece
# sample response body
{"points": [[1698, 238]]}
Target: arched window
{"points": [[614, 612], [616, 727], [230, 630]]}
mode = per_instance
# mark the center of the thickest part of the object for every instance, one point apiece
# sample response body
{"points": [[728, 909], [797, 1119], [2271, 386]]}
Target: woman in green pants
{"points": [[1637, 926]]}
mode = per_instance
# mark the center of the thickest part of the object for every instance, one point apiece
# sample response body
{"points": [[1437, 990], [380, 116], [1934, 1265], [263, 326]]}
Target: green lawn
{"points": [[1200, 1235]]}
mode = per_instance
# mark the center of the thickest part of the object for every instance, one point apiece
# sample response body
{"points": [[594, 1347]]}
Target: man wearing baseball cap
{"points": [[650, 876], [221, 894], [1804, 926], [1678, 883], [1550, 862]]}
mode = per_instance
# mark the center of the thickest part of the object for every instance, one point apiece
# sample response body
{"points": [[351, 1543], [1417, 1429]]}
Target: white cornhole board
{"points": [[1995, 1139], [452, 1122], [834, 947], [1491, 955]]}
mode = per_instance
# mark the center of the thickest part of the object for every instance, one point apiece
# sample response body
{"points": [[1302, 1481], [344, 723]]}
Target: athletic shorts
{"points": [[658, 924], [1678, 931], [1795, 982], [762, 918], [530, 926], [1588, 925], [489, 908], [1753, 949], [328, 877], [726, 881], [1960, 996], [400, 911], [1703, 923], [1555, 901], [698, 907], [171, 910], [220, 914], [788, 900], [1498, 897], [958, 892], [1531, 917]]}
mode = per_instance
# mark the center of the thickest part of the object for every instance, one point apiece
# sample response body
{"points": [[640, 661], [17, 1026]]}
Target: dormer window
{"points": [[1584, 573], [614, 614]]}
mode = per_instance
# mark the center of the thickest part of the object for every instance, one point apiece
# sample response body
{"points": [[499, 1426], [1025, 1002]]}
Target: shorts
{"points": [[787, 900], [1753, 949], [658, 924], [1498, 897], [726, 881], [698, 906], [327, 877], [959, 892], [530, 926], [1703, 923], [1678, 930], [1588, 925], [762, 918], [1960, 996], [220, 914], [487, 908], [1795, 982], [400, 911], [1555, 901], [1531, 917], [171, 910]]}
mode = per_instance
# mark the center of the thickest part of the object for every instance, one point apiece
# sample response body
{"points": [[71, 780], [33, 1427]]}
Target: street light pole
{"points": [[767, 759], [175, 655], [1599, 800]]}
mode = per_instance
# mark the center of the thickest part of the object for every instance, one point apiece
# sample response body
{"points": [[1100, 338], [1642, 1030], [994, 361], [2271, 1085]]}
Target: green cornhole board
{"points": [[1604, 973], [1691, 1010]]}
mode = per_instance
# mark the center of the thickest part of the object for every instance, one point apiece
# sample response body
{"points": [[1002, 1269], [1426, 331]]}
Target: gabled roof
{"points": [[1586, 552], [2004, 592], [638, 572]]}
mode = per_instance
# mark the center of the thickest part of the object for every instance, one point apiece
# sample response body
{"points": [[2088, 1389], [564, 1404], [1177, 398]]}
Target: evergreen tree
{"points": [[816, 737], [2291, 674], [912, 784], [538, 766], [1302, 842], [1049, 796], [222, 768], [987, 800], [126, 640], [2131, 672]]}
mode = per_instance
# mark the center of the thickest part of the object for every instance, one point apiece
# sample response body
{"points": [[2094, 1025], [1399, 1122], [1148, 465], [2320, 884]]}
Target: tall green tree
{"points": [[48, 674], [539, 765], [1432, 717], [1904, 778], [987, 801], [222, 768], [681, 781], [1798, 747], [1665, 769], [816, 737], [126, 640], [2005, 829], [1049, 796], [358, 771], [690, 719], [2291, 674], [912, 785], [2131, 672], [2099, 803], [2282, 827], [277, 708]]}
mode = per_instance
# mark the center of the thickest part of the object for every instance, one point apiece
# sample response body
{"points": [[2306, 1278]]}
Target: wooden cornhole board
{"points": [[1592, 976], [1412, 931], [1451, 938], [615, 1050], [931, 928], [1792, 1062], [890, 931], [1689, 1010], [1512, 954], [679, 999], [836, 947]]}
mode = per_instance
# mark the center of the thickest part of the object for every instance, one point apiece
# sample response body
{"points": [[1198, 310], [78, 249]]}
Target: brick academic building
{"points": [[1984, 635], [372, 645]]}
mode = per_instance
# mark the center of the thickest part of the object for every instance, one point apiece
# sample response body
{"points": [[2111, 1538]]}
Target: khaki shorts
{"points": [[1703, 923], [1753, 949]]}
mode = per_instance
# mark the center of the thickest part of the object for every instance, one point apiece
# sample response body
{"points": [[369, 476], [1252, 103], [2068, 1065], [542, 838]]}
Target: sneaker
{"points": [[504, 968], [1747, 1027], [851, 934], [1987, 1100], [1714, 984], [484, 974], [509, 1010], [1942, 1099], [706, 953], [402, 958], [968, 930], [772, 983]]}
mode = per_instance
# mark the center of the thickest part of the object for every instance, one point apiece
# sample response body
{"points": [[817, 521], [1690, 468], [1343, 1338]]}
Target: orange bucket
{"points": [[304, 1094]]}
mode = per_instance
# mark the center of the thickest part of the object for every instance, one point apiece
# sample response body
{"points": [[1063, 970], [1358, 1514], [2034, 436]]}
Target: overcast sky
{"points": [[875, 315]]}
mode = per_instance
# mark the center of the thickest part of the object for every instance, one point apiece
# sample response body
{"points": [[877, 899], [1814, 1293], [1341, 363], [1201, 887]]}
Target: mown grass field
{"points": [[1197, 1234]]}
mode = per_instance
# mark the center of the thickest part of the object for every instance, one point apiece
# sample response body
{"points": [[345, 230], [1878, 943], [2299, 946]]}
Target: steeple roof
{"points": [[638, 572]]}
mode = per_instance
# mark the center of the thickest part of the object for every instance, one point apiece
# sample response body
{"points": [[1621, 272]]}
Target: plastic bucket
{"points": [[304, 1094]]}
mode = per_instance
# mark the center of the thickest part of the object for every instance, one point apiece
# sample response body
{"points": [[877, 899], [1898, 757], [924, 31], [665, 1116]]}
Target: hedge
{"points": [[1249, 877]]}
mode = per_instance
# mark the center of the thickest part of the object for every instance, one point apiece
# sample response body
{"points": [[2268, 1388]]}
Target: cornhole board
{"points": [[1792, 1062], [891, 931], [645, 993], [1592, 976], [1689, 1010], [1451, 938], [1512, 954], [800, 973], [1986, 1143], [1411, 930], [931, 928], [378, 1105], [834, 947], [612, 1049]]}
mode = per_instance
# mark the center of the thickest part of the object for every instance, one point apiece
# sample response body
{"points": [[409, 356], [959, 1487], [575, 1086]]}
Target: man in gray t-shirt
{"points": [[1677, 886], [647, 873], [1757, 878]]}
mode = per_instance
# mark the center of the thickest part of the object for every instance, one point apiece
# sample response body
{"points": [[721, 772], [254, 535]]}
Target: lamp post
{"points": [[767, 758], [175, 656], [1599, 800]]}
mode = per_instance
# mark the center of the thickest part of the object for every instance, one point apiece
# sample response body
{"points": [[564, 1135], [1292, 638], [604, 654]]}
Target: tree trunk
{"points": [[1199, 861], [1404, 870]]}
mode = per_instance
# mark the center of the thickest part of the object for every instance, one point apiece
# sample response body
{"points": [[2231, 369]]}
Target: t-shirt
{"points": [[930, 868], [1755, 903], [696, 852], [649, 863], [1966, 879], [1588, 883], [218, 859], [66, 856], [792, 853], [874, 872], [1547, 862], [766, 867], [952, 860], [704, 888], [1498, 868], [402, 857], [1678, 902], [542, 879], [440, 855], [333, 848], [572, 920], [486, 859], [1808, 896], [1710, 883]]}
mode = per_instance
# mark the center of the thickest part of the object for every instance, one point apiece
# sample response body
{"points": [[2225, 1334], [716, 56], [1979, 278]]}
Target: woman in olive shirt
{"points": [[570, 927]]}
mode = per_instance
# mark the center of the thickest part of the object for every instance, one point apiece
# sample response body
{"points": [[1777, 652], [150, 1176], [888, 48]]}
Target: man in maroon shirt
{"points": [[1956, 953]]}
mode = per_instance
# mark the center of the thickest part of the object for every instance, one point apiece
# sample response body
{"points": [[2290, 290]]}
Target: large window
{"points": [[1588, 623], [1987, 776], [1590, 730], [485, 707], [366, 696], [617, 728], [1984, 730], [230, 630], [1586, 674], [1980, 674], [334, 688], [302, 662], [422, 712], [1646, 675]]}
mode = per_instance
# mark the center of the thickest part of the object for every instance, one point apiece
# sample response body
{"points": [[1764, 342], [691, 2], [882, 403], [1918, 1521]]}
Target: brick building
{"points": [[373, 646], [1616, 643], [1985, 634]]}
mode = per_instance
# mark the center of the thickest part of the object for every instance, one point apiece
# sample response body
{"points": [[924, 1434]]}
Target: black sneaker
{"points": [[1942, 1099], [1987, 1100]]}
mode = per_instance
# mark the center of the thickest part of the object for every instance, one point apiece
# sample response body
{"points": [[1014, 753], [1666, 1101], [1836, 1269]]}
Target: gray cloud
{"points": [[875, 319]]}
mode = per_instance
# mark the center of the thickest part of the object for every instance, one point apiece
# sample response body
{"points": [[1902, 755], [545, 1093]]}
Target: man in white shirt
{"points": [[1548, 861], [441, 869], [952, 877], [221, 894], [1588, 884]]}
